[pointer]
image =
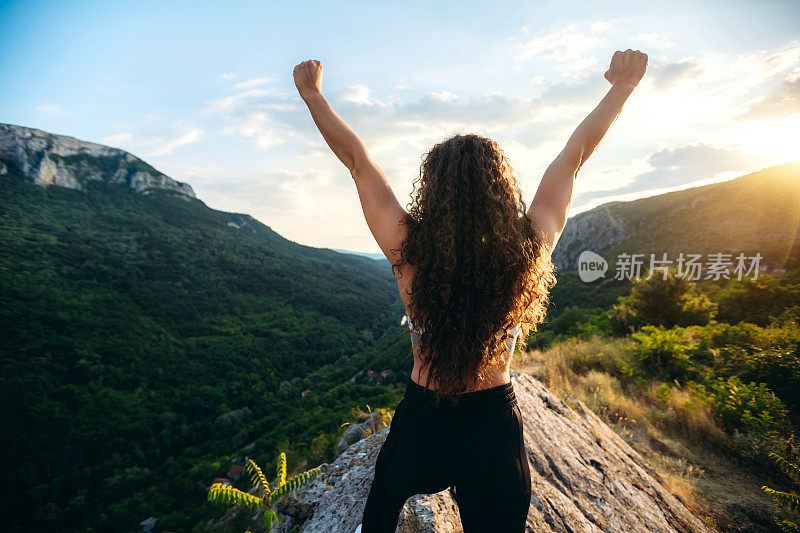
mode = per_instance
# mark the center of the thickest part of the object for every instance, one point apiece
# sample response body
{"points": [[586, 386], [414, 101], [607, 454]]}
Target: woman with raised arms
{"points": [[473, 267]]}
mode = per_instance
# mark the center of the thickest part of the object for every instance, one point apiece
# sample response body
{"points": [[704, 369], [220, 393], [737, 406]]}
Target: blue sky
{"points": [[203, 91]]}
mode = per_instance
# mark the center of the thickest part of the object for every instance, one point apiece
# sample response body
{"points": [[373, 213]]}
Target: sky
{"points": [[203, 91]]}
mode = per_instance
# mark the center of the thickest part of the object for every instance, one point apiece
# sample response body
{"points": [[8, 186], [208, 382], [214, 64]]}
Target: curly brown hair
{"points": [[479, 266]]}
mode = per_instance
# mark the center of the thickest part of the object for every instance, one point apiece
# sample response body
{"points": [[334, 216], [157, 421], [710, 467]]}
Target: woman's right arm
{"points": [[548, 210]]}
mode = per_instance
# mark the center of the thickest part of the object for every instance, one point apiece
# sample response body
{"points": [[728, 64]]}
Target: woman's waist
{"points": [[497, 397], [498, 373]]}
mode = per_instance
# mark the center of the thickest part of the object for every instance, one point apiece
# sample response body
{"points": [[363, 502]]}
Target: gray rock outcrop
{"points": [[598, 230], [357, 431], [48, 159], [585, 478]]}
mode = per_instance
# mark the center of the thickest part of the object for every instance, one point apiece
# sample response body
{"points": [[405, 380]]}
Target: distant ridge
{"points": [[758, 212], [377, 257]]}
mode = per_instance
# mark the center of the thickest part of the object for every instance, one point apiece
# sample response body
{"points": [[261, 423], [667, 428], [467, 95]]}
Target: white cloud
{"points": [[653, 40], [359, 95], [50, 109], [753, 69], [231, 103], [770, 62], [188, 136], [703, 156], [266, 117], [782, 100], [226, 76], [206, 176], [567, 47], [255, 82], [256, 126], [665, 75], [713, 90], [600, 26], [155, 144], [443, 96]]}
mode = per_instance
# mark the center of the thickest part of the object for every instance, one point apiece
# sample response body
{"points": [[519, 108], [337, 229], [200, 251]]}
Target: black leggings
{"points": [[475, 447]]}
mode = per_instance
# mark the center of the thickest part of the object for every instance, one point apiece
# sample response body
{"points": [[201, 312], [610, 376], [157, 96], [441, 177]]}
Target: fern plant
{"points": [[261, 497], [788, 504]]}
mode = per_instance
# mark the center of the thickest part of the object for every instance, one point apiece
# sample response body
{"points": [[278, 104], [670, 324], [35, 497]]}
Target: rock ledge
{"points": [[585, 478]]}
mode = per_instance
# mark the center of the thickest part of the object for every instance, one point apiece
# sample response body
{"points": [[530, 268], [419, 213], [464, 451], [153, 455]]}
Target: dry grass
{"points": [[598, 372], [668, 425]]}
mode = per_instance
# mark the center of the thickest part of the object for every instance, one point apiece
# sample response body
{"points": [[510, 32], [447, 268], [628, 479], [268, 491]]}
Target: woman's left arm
{"points": [[382, 211]]}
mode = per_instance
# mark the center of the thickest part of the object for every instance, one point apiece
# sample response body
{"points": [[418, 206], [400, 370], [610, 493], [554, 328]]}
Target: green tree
{"points": [[757, 300], [662, 301]]}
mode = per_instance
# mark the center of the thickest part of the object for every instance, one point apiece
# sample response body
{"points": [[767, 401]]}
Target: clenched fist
{"points": [[627, 67], [308, 77]]}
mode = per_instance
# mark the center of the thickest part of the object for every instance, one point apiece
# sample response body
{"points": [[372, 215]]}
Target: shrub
{"points": [[750, 408], [685, 411], [751, 413], [787, 318], [762, 355], [576, 320], [661, 352]]}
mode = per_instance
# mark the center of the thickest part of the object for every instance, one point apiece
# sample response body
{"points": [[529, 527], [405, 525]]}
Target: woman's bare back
{"points": [[498, 374]]}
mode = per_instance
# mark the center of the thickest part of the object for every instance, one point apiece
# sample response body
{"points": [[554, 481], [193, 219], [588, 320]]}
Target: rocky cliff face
{"points": [[597, 230], [49, 159], [585, 478]]}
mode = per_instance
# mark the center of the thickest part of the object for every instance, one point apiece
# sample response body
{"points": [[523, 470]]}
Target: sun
{"points": [[775, 139]]}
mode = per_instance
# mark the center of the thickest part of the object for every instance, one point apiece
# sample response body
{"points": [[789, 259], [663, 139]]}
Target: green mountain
{"points": [[147, 339], [756, 213], [759, 212]]}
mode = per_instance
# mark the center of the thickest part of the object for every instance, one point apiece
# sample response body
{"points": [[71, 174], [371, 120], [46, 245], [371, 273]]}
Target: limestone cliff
{"points": [[597, 230], [585, 478], [48, 159]]}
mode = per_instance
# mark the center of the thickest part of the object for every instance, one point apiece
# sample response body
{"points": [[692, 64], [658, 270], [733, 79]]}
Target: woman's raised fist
{"points": [[308, 77], [627, 67]]}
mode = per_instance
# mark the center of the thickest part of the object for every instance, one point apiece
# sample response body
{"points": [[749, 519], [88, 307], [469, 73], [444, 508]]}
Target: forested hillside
{"points": [[147, 339]]}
